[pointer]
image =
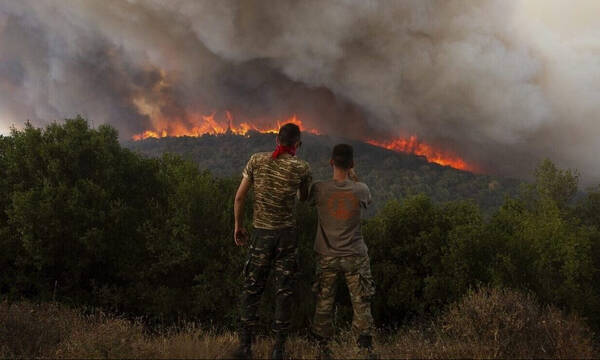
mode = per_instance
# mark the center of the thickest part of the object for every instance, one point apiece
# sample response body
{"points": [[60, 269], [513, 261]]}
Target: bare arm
{"points": [[240, 235]]}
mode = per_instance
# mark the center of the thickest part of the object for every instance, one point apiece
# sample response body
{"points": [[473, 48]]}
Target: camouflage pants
{"points": [[357, 272], [270, 249]]}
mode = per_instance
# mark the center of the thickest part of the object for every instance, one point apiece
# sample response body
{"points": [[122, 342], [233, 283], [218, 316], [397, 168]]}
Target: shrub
{"points": [[28, 330], [504, 323], [425, 255], [51, 330], [487, 323]]}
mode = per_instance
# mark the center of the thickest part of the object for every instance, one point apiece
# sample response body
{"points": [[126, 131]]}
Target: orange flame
{"points": [[207, 124], [413, 145], [199, 124]]}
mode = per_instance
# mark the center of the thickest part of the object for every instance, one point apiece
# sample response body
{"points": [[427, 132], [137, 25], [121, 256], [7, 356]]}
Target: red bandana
{"points": [[280, 149]]}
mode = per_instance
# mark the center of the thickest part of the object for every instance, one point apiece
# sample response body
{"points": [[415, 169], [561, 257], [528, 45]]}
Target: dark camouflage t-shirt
{"points": [[275, 183]]}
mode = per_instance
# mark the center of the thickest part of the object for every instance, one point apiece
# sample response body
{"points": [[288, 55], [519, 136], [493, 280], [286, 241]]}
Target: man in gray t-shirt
{"points": [[340, 204], [341, 250]]}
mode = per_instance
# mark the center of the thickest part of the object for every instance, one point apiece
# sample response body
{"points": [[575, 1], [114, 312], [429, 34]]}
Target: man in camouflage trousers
{"points": [[341, 250], [276, 179]]}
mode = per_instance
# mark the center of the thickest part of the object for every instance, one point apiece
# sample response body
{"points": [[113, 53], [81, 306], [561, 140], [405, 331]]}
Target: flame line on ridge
{"points": [[208, 125]]}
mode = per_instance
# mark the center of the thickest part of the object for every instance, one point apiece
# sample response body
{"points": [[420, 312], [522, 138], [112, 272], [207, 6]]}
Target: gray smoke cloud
{"points": [[496, 82]]}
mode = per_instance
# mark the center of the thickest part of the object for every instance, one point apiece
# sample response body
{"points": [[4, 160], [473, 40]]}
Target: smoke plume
{"points": [[501, 83]]}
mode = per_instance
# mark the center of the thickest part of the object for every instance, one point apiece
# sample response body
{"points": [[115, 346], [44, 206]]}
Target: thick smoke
{"points": [[498, 82]]}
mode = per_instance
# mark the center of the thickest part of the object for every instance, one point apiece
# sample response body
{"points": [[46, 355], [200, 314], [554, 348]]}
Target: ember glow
{"points": [[213, 124]]}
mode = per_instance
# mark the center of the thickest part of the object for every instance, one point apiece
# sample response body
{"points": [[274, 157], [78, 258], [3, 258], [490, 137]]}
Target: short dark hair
{"points": [[343, 156], [289, 134]]}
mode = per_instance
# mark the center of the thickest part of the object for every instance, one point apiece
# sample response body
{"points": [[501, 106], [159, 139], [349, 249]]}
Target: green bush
{"points": [[85, 221], [425, 255]]}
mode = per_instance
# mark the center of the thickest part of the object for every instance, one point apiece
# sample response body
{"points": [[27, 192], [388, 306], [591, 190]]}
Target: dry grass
{"points": [[489, 323], [508, 324]]}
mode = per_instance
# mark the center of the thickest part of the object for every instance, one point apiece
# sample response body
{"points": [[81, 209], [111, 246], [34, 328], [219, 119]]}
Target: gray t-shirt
{"points": [[340, 205]]}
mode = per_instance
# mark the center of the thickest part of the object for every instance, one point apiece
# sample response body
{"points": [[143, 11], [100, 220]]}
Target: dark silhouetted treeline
{"points": [[87, 222]]}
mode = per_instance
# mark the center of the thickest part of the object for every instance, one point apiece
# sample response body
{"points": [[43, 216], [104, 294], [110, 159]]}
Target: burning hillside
{"points": [[198, 125], [488, 86], [413, 145], [389, 174], [207, 124]]}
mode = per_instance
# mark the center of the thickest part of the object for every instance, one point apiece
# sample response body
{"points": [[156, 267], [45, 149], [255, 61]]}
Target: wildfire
{"points": [[208, 124], [198, 125], [413, 145]]}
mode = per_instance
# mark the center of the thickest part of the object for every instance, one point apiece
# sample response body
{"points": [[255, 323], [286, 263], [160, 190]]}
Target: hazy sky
{"points": [[502, 83]]}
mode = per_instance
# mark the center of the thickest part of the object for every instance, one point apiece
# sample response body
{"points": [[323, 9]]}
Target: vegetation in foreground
{"points": [[88, 223], [489, 323]]}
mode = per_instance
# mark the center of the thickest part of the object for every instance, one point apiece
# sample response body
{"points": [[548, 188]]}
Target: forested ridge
{"points": [[85, 221], [390, 175]]}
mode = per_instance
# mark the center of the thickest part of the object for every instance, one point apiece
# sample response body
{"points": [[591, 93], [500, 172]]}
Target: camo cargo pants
{"points": [[357, 272], [276, 249]]}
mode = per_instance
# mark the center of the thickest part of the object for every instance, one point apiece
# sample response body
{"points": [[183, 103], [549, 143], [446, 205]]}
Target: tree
{"points": [[557, 185]]}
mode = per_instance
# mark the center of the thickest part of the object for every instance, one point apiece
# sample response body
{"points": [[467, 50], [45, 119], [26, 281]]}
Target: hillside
{"points": [[390, 175]]}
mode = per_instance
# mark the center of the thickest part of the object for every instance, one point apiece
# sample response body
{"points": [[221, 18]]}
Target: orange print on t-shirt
{"points": [[342, 205]]}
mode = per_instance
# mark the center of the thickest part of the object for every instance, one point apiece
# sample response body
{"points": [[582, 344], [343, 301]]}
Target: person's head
{"points": [[342, 157], [289, 135]]}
